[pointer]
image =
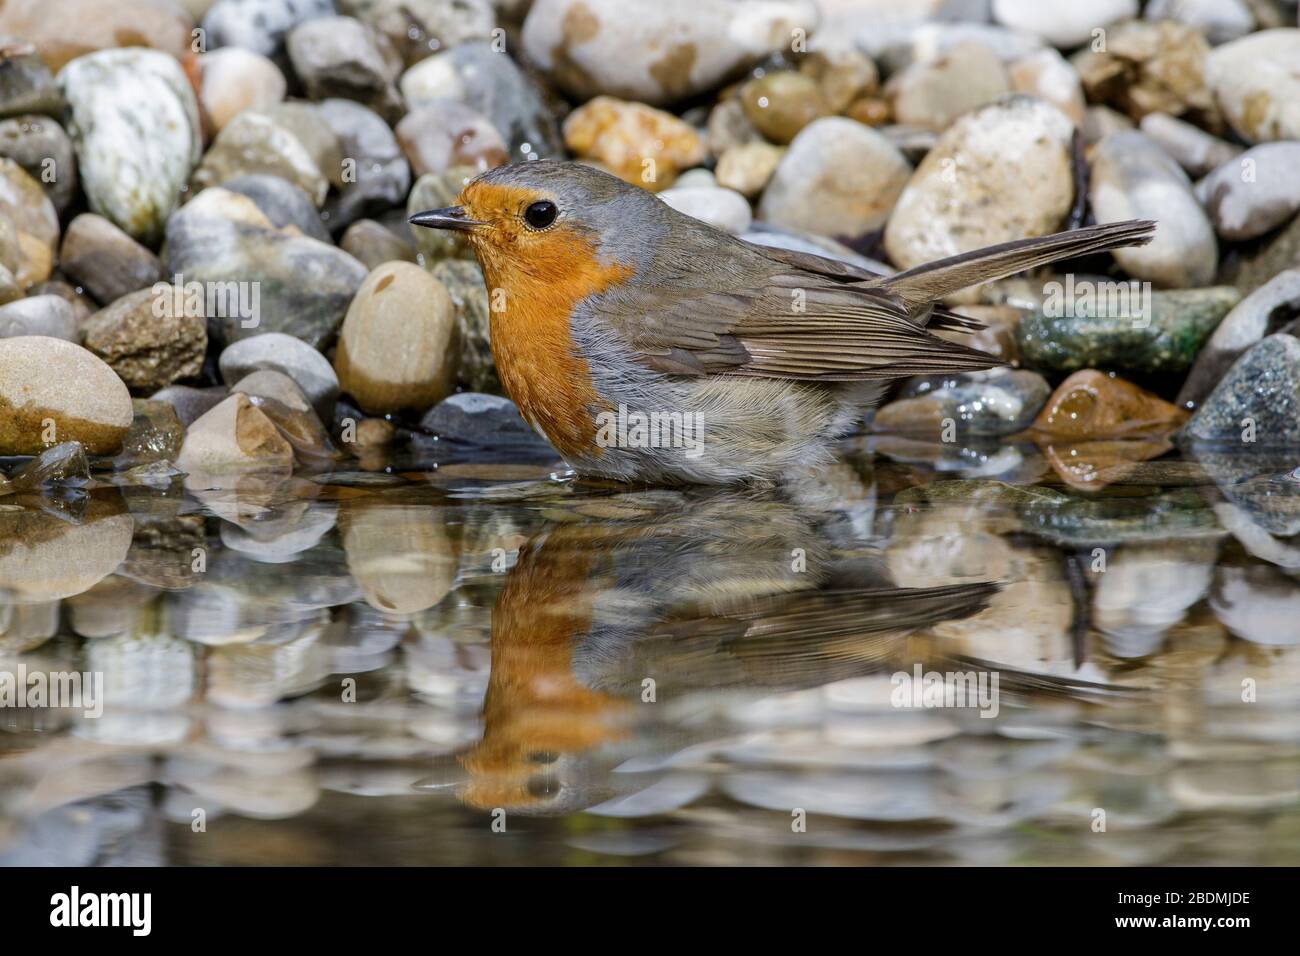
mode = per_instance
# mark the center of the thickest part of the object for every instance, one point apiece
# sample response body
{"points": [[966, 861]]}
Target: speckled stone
{"points": [[1167, 341], [119, 100], [1013, 156], [638, 143], [148, 338], [1263, 386], [419, 28]]}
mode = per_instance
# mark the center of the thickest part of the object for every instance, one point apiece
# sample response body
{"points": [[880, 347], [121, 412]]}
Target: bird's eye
{"points": [[541, 214]]}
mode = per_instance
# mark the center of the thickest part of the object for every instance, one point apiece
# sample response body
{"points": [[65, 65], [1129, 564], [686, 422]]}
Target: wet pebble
{"points": [[52, 390], [231, 80], [1062, 23], [150, 338], [259, 25], [234, 436], [1190, 146], [1255, 82], [26, 84], [838, 178], [39, 315], [655, 51], [287, 282], [118, 100], [446, 133], [259, 140], [1013, 156], [1253, 193], [781, 103], [156, 435], [638, 143], [478, 76], [463, 280], [41, 146], [1096, 322], [188, 402], [398, 348], [59, 463], [723, 209], [372, 243], [487, 422], [1092, 404], [933, 93], [748, 168], [105, 260], [381, 177], [299, 361], [997, 402], [340, 56], [1133, 178]]}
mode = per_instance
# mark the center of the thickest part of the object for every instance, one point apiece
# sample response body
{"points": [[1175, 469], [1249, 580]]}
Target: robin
{"points": [[648, 346]]}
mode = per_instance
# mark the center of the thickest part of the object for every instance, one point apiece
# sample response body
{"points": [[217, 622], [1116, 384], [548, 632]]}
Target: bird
{"points": [[649, 347]]}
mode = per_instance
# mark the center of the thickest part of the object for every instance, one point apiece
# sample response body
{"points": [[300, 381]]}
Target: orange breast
{"points": [[532, 344]]}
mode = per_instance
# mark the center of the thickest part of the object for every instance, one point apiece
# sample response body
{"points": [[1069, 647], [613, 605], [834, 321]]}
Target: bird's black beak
{"points": [[453, 217]]}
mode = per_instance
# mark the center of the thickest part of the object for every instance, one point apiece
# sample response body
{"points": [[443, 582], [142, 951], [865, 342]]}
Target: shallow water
{"points": [[499, 664]]}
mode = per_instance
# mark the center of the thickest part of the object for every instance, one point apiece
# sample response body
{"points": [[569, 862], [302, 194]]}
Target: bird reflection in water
{"points": [[653, 597]]}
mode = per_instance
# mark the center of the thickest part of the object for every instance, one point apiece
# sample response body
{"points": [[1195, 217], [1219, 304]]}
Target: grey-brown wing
{"points": [[778, 322]]}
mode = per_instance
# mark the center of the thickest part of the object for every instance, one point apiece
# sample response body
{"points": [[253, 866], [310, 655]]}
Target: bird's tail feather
{"points": [[917, 288]]}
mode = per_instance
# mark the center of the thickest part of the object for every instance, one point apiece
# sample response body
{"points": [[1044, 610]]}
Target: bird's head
{"points": [[544, 218]]}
